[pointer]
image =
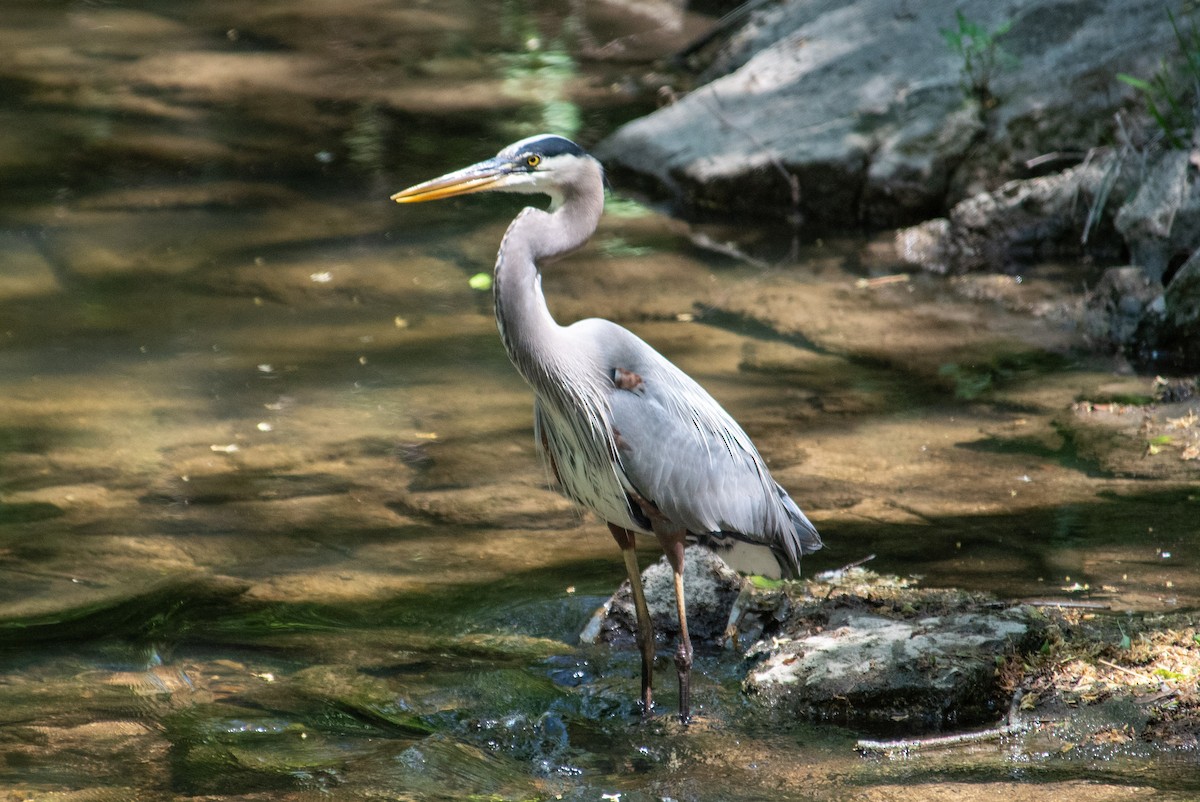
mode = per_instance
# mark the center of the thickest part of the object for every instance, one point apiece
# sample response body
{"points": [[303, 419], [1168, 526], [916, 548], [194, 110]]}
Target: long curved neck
{"points": [[526, 326]]}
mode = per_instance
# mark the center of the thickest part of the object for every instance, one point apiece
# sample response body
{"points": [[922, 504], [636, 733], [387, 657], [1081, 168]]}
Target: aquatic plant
{"points": [[1171, 93], [981, 53]]}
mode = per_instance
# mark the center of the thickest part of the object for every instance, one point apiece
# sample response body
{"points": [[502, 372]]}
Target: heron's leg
{"points": [[645, 629], [673, 543]]}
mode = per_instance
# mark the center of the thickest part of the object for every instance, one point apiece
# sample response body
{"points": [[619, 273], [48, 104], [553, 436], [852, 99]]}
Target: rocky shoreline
{"points": [[998, 136], [882, 655]]}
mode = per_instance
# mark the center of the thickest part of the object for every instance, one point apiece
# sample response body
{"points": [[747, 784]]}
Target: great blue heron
{"points": [[625, 432]]}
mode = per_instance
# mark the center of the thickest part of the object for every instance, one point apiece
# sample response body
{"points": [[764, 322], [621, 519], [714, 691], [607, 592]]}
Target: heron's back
{"points": [[646, 433]]}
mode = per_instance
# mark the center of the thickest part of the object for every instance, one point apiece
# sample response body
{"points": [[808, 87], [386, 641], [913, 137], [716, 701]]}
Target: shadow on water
{"points": [[464, 689], [947, 551]]}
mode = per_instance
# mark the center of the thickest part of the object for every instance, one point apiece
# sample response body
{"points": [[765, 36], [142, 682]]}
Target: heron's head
{"points": [[547, 164]]}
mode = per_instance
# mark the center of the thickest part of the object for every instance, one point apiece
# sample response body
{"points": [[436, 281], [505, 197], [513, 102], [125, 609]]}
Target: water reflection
{"points": [[541, 78], [365, 140]]}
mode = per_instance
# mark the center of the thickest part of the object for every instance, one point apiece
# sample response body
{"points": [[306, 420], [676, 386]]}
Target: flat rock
{"points": [[863, 668], [849, 646]]}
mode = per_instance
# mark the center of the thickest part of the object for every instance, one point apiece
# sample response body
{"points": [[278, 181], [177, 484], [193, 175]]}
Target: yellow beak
{"points": [[479, 177]]}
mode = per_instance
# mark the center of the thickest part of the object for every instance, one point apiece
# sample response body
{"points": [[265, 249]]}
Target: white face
{"points": [[537, 172], [549, 175]]}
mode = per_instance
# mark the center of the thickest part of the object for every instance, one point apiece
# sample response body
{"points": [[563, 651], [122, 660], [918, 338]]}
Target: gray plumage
{"points": [[626, 433]]}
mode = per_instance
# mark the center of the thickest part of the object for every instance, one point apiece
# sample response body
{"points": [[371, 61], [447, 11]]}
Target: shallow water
{"points": [[271, 524]]}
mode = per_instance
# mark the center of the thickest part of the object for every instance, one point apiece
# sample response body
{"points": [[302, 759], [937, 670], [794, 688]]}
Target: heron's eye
{"points": [[533, 160]]}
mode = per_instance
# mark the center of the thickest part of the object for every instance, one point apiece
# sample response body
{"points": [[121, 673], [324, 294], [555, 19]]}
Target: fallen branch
{"points": [[1068, 604], [879, 281], [938, 742], [826, 575], [1137, 674], [702, 240]]}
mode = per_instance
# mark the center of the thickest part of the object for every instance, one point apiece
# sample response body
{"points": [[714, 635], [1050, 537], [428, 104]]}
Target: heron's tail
{"points": [[773, 554], [797, 540], [807, 538]]}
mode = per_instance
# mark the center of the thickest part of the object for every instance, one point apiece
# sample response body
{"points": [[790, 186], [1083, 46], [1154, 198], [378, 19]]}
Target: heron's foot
{"points": [[647, 702], [683, 665]]}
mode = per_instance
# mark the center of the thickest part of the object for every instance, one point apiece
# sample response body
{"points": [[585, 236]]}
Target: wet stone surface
{"points": [[936, 668], [854, 648], [925, 674], [711, 591]]}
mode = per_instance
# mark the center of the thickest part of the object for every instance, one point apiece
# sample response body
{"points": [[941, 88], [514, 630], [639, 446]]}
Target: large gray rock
{"points": [[849, 645], [1161, 222], [841, 113], [918, 675]]}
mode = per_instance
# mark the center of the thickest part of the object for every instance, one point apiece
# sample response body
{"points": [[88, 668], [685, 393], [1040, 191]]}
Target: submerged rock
{"points": [[1116, 307], [138, 606]]}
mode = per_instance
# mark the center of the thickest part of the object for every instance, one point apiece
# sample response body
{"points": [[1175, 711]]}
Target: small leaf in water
{"points": [[1167, 673], [480, 281], [765, 583]]}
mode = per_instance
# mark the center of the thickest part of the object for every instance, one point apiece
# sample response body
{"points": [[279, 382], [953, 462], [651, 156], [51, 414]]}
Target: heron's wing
{"points": [[695, 469], [681, 451]]}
